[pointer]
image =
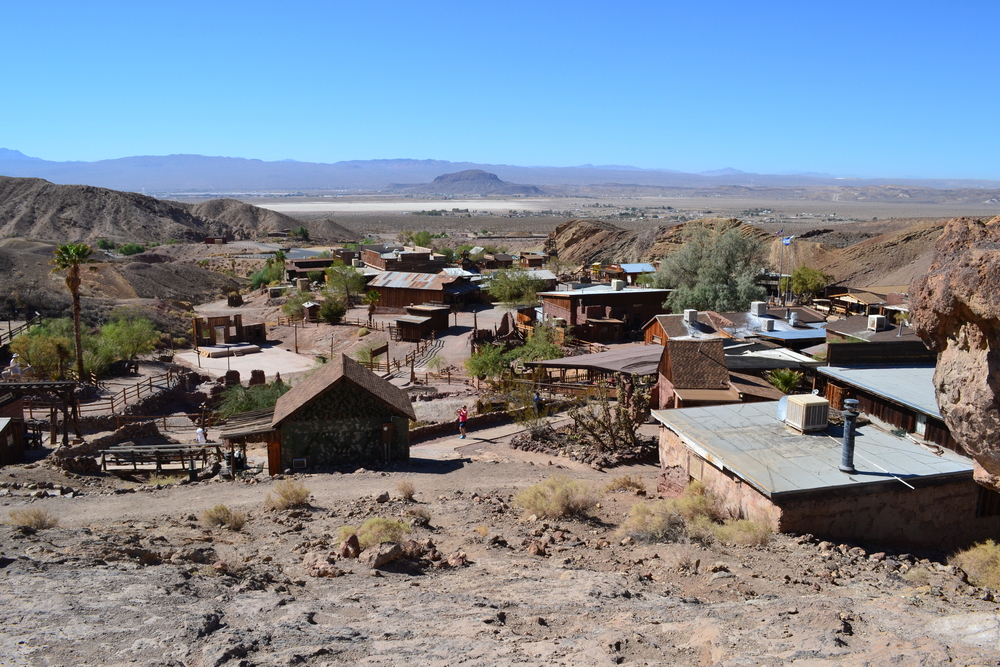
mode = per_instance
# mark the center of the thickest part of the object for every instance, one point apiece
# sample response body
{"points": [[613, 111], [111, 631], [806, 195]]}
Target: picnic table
{"points": [[159, 455]]}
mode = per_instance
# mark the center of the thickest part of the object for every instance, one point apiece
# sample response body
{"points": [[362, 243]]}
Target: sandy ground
{"points": [[137, 578]]}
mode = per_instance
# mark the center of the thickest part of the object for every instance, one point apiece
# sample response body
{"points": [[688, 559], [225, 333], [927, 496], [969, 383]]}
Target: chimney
{"points": [[850, 414]]}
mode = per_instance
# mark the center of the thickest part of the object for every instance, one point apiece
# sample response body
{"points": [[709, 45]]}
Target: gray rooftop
{"points": [[748, 439], [912, 386]]}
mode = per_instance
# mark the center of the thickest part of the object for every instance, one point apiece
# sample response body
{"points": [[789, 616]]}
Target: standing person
{"points": [[537, 401], [463, 416]]}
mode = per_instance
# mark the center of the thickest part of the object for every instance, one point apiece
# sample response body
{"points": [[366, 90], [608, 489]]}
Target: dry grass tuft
{"points": [[483, 531], [918, 576], [558, 497], [420, 516], [375, 531], [743, 532], [406, 489], [165, 480], [653, 522], [626, 483], [220, 515], [981, 563], [34, 517], [287, 494]]}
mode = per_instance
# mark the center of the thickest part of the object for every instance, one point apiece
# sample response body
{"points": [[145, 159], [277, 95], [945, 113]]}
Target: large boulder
{"points": [[955, 309]]}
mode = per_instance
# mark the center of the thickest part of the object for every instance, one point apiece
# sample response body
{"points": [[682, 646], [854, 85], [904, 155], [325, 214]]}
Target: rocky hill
{"points": [[471, 182], [893, 256], [36, 209]]}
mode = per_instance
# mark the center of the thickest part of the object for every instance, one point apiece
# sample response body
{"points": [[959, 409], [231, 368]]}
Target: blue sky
{"points": [[886, 89]]}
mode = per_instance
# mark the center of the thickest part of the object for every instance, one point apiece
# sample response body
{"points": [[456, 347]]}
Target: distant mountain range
{"points": [[200, 174]]}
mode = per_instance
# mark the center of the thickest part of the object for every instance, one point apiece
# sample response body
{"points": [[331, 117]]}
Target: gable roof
{"points": [[674, 325], [346, 368], [696, 364]]}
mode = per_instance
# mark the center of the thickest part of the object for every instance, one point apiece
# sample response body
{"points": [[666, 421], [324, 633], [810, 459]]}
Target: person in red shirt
{"points": [[463, 416]]}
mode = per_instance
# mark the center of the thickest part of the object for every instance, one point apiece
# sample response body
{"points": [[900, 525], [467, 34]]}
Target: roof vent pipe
{"points": [[850, 415]]}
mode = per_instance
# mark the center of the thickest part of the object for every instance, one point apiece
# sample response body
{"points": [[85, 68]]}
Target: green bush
{"points": [[332, 311], [105, 244], [558, 497], [132, 249]]}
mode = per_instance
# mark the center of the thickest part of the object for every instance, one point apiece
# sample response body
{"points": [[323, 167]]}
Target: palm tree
{"points": [[785, 380], [69, 257]]}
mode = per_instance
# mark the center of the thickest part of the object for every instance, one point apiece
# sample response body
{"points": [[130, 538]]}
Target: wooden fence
{"points": [[13, 332], [115, 403]]}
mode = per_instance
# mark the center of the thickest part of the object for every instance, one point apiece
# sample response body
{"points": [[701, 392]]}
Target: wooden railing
{"points": [[13, 332], [115, 403]]}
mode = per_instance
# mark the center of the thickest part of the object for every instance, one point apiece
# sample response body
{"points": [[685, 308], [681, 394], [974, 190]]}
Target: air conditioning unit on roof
{"points": [[876, 322], [806, 412]]}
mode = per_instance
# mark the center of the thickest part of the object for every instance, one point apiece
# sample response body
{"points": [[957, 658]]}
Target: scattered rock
{"points": [[349, 548], [382, 497], [379, 555]]}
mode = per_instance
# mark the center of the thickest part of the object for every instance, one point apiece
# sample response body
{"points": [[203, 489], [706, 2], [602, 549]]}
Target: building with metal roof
{"points": [[760, 468]]}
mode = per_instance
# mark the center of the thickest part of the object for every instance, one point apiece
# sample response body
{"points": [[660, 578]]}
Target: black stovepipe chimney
{"points": [[850, 415]]}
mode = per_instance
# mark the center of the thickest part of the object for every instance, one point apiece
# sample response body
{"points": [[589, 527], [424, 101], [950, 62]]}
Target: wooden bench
{"points": [[158, 455]]}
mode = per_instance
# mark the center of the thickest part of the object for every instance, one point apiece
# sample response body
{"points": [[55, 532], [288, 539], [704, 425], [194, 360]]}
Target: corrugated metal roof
{"points": [[406, 280], [638, 359], [912, 386], [794, 334], [412, 319], [748, 439], [640, 267]]}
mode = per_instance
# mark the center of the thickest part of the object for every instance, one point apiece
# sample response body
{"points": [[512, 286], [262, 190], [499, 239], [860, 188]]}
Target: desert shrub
{"points": [[981, 563], [625, 483], [132, 249], [105, 244], [694, 502], [653, 522], [557, 497], [316, 276], [363, 331], [482, 530], [33, 517], [743, 532], [332, 311], [287, 494], [421, 516], [375, 530], [406, 489], [236, 521], [292, 307], [237, 399], [217, 516]]}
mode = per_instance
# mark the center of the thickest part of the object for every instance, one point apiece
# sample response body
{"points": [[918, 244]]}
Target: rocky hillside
{"points": [[891, 257], [471, 182], [36, 209], [586, 241]]}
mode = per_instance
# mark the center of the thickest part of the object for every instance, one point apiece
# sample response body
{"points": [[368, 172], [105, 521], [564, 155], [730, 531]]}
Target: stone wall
{"points": [[342, 426], [939, 517]]}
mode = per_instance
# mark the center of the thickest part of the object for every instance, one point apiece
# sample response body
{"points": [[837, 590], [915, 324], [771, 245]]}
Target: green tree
{"points": [[806, 282], [292, 308], [69, 258], [237, 399], [132, 249], [715, 269], [344, 281], [332, 310], [127, 338], [105, 244], [272, 272], [514, 287], [46, 353], [487, 362], [300, 233]]}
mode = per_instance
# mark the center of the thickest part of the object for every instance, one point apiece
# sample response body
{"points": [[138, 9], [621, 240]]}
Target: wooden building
{"points": [[629, 273], [496, 260], [601, 313], [902, 396], [533, 260], [402, 259], [228, 328], [399, 290], [341, 415]]}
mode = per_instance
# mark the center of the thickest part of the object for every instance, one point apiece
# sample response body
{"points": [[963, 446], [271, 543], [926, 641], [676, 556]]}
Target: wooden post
{"points": [[296, 332]]}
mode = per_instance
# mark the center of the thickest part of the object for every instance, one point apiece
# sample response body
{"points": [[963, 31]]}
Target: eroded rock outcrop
{"points": [[955, 309]]}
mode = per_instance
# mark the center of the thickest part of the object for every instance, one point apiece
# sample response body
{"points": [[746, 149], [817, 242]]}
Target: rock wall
{"points": [[955, 309]]}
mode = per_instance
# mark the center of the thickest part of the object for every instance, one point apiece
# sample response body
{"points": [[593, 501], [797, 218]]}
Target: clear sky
{"points": [[874, 88]]}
